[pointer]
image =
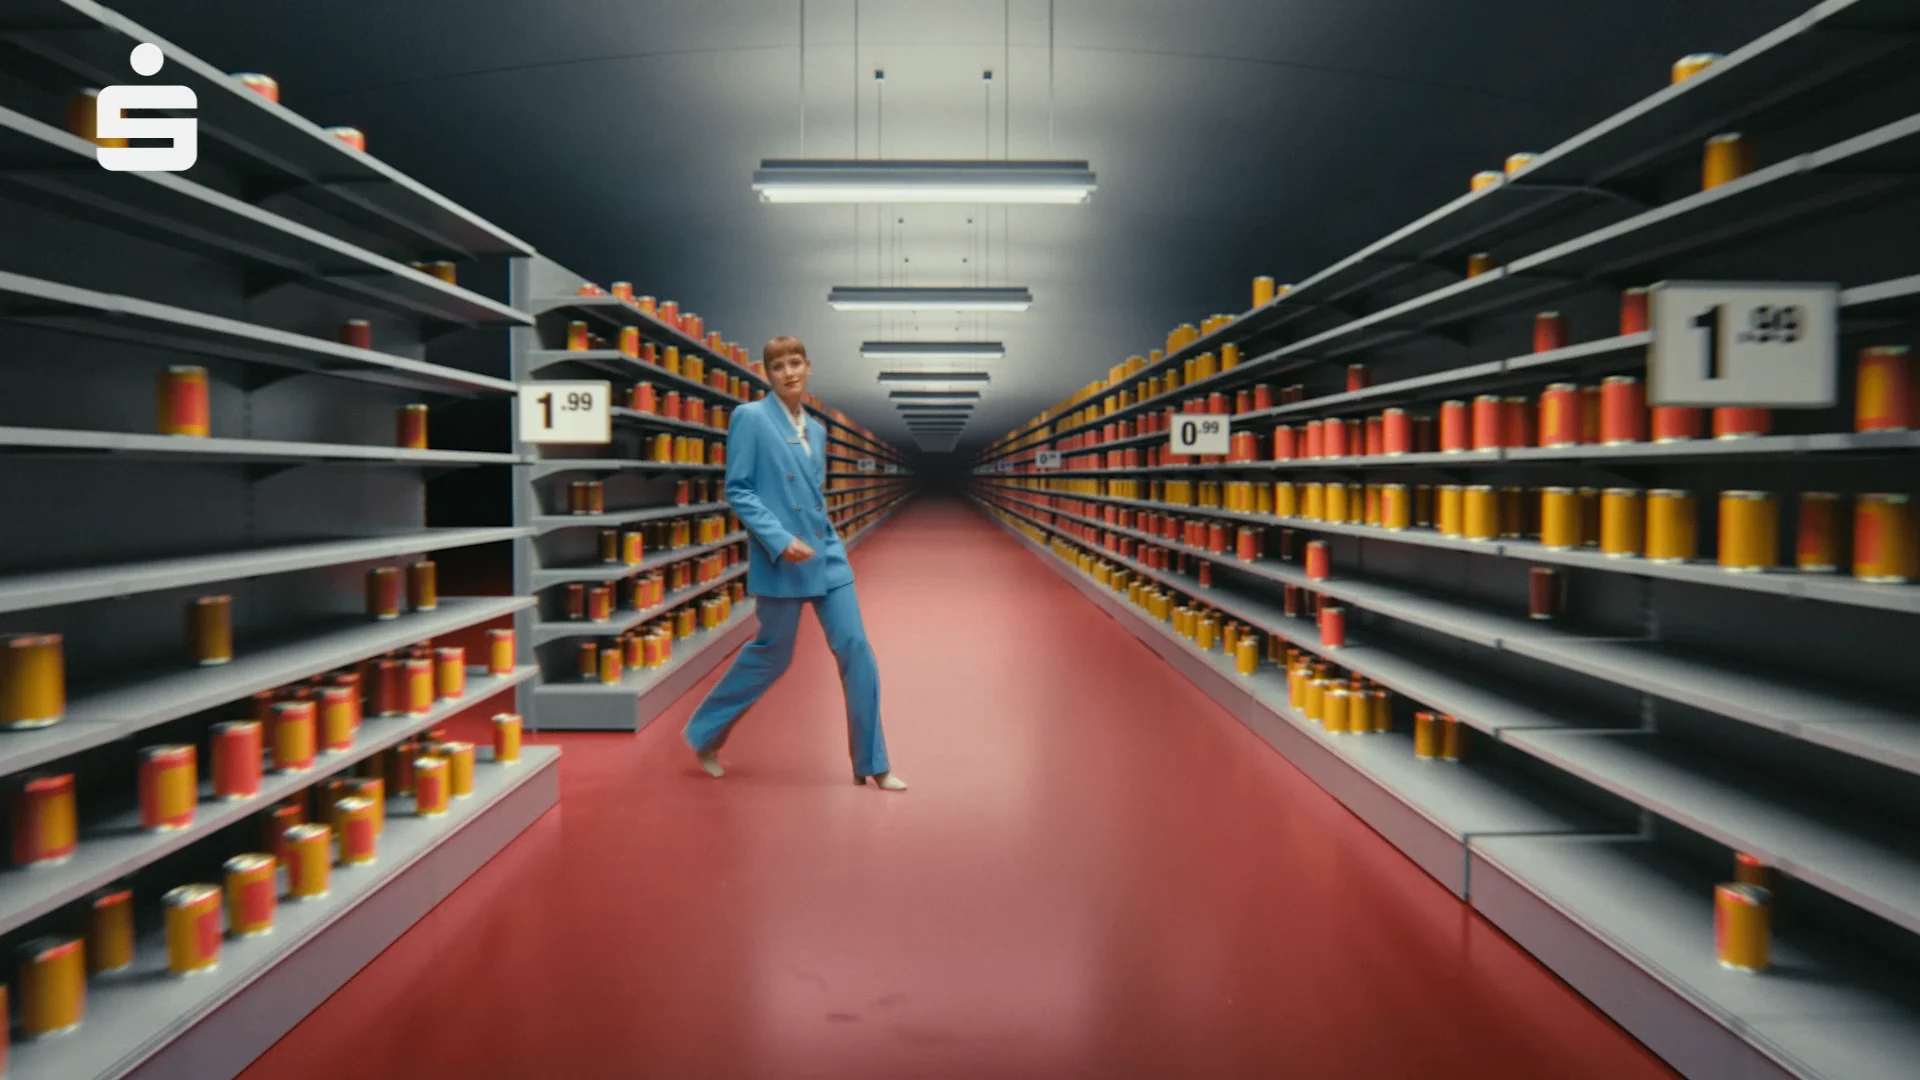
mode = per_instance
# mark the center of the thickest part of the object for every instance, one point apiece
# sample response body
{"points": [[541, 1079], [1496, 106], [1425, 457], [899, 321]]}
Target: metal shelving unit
{"points": [[1688, 713], [245, 266]]}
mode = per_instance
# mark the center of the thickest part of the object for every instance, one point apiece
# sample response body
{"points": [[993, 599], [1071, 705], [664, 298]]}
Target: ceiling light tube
{"points": [[917, 377], [937, 350], [821, 180], [934, 395], [859, 298]]}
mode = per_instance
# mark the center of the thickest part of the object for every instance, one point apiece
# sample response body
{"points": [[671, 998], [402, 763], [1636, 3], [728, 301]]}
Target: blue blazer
{"points": [[775, 489]]}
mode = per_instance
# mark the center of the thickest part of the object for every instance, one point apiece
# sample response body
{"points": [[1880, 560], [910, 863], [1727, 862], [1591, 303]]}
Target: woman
{"points": [[776, 468]]}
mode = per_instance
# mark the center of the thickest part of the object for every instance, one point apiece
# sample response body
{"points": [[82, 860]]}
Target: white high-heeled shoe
{"points": [[886, 781], [711, 763]]}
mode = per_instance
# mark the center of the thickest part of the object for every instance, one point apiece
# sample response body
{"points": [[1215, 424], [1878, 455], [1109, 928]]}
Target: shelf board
{"points": [[625, 619], [609, 310], [1873, 869], [547, 523], [654, 420], [71, 309], [615, 362], [637, 681], [116, 847], [128, 446], [1819, 1013], [49, 165], [546, 467], [134, 1015], [98, 716], [545, 579], [23, 592]]}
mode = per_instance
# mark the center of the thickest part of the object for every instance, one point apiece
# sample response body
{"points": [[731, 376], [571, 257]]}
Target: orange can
{"points": [[1749, 531], [1885, 395], [1560, 519], [383, 592], [1484, 179], [292, 732], [1488, 425], [53, 986], [1479, 512], [1670, 520], [339, 709], [309, 859], [46, 825], [1886, 542], [357, 333], [1675, 423], [193, 928], [450, 672], [410, 427], [354, 822], [430, 786], [210, 630], [1426, 736], [1740, 423], [1452, 738], [1693, 64], [1816, 544], [350, 137], [1517, 422], [1623, 523], [1727, 158], [374, 790], [418, 685], [577, 338], [183, 407], [1560, 415], [1742, 926], [169, 787], [1633, 311], [33, 681], [1480, 263], [252, 889], [109, 931], [1623, 410], [423, 585], [500, 650], [1750, 870], [1549, 331], [264, 85]]}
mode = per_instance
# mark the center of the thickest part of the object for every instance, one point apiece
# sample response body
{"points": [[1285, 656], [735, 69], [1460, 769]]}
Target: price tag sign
{"points": [[892, 468], [1198, 434], [865, 464], [1752, 344], [576, 413], [1047, 459]]}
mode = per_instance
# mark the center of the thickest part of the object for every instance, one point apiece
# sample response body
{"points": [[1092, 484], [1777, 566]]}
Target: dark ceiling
{"points": [[1231, 138]]}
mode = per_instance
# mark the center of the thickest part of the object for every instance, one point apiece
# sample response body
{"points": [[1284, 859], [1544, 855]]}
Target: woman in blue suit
{"points": [[776, 468]]}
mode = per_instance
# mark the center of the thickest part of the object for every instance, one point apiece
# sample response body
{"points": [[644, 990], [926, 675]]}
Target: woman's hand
{"points": [[797, 551]]}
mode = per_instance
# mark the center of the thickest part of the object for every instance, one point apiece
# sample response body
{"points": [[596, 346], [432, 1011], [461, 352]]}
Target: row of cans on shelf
{"points": [[643, 398], [183, 407], [651, 645], [668, 312], [668, 358], [595, 603]]}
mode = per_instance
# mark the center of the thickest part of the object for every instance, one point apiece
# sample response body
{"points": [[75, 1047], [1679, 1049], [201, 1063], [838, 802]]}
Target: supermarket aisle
{"points": [[1098, 873]]}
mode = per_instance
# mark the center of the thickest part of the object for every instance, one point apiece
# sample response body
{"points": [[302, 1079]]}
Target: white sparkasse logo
{"points": [[111, 122]]}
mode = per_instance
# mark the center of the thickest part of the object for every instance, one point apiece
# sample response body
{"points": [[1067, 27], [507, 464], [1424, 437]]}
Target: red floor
{"points": [[1097, 873]]}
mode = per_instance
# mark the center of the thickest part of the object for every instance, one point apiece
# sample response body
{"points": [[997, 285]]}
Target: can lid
{"points": [[1562, 387], [166, 750], [1747, 495], [1619, 379], [1757, 895], [1668, 493], [1622, 492], [1883, 497], [308, 831], [110, 897], [42, 949], [1726, 137], [353, 804], [183, 895], [252, 860]]}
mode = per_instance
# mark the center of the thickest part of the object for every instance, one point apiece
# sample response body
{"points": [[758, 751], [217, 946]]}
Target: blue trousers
{"points": [[769, 653]]}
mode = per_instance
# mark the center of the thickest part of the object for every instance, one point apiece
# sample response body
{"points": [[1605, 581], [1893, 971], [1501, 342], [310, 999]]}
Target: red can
{"points": [[1245, 446], [1546, 593], [500, 650], [1885, 397], [183, 407], [1424, 439], [1675, 423], [1488, 422], [1285, 443], [1590, 414], [1516, 414], [1243, 401], [1356, 377], [1396, 433], [1623, 411], [46, 825], [1247, 543], [1333, 439], [1290, 601], [1217, 404], [450, 668], [1216, 537], [417, 679], [339, 710], [389, 689], [410, 427], [357, 333], [1739, 423], [1316, 440], [383, 592], [1549, 331], [292, 736], [236, 751], [1633, 311], [1333, 626], [1318, 563], [169, 786], [1262, 397], [252, 892], [1456, 427], [1560, 415], [1376, 436]]}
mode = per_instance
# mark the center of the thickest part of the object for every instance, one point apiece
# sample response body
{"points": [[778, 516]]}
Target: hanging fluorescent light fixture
{"points": [[822, 180], [912, 378], [861, 298], [934, 395], [933, 350]]}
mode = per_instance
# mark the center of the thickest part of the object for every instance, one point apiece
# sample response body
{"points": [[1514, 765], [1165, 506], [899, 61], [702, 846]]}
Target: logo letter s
{"points": [[182, 132]]}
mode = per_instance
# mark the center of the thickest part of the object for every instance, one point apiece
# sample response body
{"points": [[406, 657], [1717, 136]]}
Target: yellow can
{"points": [[1316, 702], [1479, 512], [1816, 548], [1886, 542], [1426, 735], [1336, 503], [1742, 926], [1749, 531], [1452, 738], [1449, 514], [374, 790], [1230, 639], [1559, 519], [1693, 64], [1313, 501], [1247, 655], [1335, 709], [33, 680], [1623, 523], [1396, 507], [1516, 162], [1480, 262], [309, 852], [109, 931], [253, 891], [1297, 687], [1670, 526], [1382, 708], [193, 927], [1483, 180], [1356, 506], [53, 986], [1262, 291], [1204, 631], [1727, 158], [1284, 503]]}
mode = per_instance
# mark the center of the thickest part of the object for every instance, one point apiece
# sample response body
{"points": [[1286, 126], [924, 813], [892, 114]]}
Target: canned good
{"points": [[1517, 422], [383, 592], [1622, 523], [292, 732], [1749, 870], [443, 270], [449, 672], [1546, 593], [1633, 311], [1313, 501], [309, 859], [338, 709], [506, 737], [423, 585], [1480, 263], [1560, 526], [33, 681], [350, 137], [1380, 710], [210, 630], [275, 823], [1670, 520], [500, 651], [1318, 562], [578, 340], [1396, 507], [1886, 397], [1484, 179], [374, 790], [353, 819], [608, 667], [264, 85], [400, 777], [53, 986], [169, 787], [1693, 64], [1675, 423], [430, 786], [1336, 503], [1333, 626], [1357, 377], [1560, 415], [1742, 926], [1247, 655], [1449, 509], [1549, 331], [193, 928], [417, 683], [1479, 512], [1452, 738], [1749, 531], [1513, 511], [1488, 422], [252, 889], [1740, 423], [109, 932], [356, 332], [1426, 735], [1263, 291], [183, 405], [1886, 542], [1316, 440], [46, 825], [1727, 158], [410, 427], [1623, 411], [1336, 710], [389, 688], [1816, 542]]}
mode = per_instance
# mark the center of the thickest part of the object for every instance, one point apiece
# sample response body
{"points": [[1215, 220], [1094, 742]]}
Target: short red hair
{"points": [[781, 346]]}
